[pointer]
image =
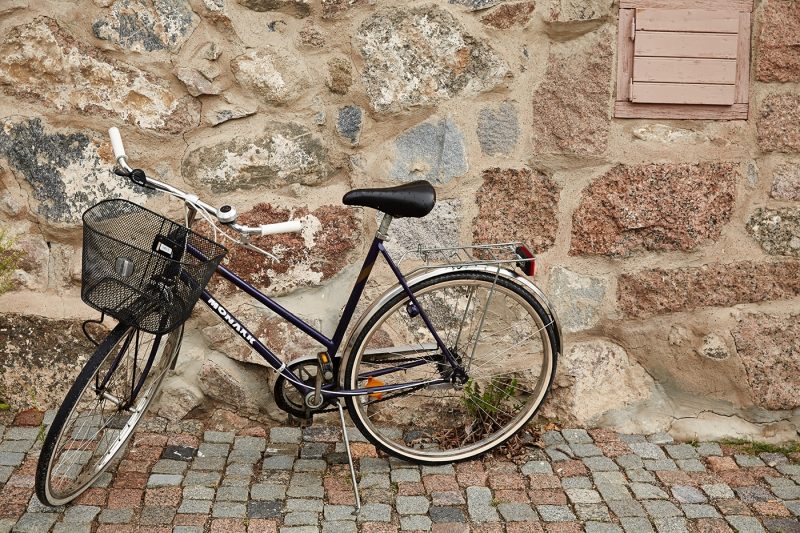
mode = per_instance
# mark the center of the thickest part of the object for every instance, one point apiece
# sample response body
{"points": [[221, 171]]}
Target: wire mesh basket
{"points": [[502, 255], [141, 268]]}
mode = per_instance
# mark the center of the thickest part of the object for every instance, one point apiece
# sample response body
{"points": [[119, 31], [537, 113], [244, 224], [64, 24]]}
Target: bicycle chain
{"points": [[382, 399]]}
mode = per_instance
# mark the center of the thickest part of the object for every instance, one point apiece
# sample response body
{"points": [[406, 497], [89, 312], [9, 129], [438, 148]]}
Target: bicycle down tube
{"points": [[333, 344]]}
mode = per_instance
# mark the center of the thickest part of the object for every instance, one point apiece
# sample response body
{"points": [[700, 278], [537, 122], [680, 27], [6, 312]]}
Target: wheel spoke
{"points": [[486, 322], [91, 427]]}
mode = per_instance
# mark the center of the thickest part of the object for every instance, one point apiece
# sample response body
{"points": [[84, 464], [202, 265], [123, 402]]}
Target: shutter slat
{"points": [[682, 93], [685, 70], [687, 20], [681, 44]]}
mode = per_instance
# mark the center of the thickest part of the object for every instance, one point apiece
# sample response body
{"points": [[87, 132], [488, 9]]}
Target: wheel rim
{"points": [[445, 423], [96, 429]]}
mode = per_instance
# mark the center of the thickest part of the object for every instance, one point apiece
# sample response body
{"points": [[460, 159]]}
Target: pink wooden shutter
{"points": [[684, 56], [683, 59]]}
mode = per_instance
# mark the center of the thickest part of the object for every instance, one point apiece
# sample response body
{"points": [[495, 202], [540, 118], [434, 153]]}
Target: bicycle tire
{"points": [[421, 433], [87, 465]]}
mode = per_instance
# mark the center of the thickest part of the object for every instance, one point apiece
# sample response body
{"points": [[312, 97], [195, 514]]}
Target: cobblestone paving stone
{"points": [[186, 478]]}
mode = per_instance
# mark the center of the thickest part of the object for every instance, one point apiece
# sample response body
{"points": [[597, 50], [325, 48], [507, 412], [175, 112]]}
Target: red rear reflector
{"points": [[527, 263]]}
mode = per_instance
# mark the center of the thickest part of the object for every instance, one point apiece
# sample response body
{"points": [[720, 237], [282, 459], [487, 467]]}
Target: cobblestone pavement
{"points": [[185, 478]]}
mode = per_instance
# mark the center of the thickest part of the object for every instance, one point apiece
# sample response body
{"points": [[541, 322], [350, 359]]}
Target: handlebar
{"points": [[138, 176]]}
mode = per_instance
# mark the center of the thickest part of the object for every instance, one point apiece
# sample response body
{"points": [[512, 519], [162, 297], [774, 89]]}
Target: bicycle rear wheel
{"points": [[496, 329], [97, 416]]}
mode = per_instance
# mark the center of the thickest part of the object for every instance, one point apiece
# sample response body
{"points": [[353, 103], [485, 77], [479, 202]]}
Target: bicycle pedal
{"points": [[325, 365]]}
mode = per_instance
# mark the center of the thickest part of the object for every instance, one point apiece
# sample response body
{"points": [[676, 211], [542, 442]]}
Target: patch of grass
{"points": [[4, 406], [755, 447], [41, 434]]}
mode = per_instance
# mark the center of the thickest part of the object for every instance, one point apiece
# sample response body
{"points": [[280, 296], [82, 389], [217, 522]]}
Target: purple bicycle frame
{"points": [[332, 344]]}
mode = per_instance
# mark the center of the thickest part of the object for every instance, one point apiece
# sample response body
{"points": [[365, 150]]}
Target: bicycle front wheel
{"points": [[99, 413], [497, 331]]}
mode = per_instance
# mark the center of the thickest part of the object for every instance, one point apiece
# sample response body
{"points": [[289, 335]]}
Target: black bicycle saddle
{"points": [[415, 199]]}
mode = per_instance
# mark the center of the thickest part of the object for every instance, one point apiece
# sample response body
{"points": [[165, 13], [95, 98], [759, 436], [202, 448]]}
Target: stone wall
{"points": [[671, 249]]}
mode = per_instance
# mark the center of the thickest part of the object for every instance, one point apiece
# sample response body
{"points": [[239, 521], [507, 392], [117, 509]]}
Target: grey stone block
{"points": [[748, 461], [81, 513], [339, 512], [576, 482], [745, 524], [284, 434], [555, 513], [600, 464], [278, 462], [517, 512], [629, 507], [553, 438], [412, 505], [691, 465], [405, 475], [447, 515], [636, 524], [205, 479], [610, 478], [646, 491], [252, 444], [699, 510], [583, 496], [164, 480], [301, 518], [641, 476], [647, 450], [168, 466], [225, 437], [261, 491], [613, 492], [688, 494], [232, 494], [630, 462], [373, 465], [602, 527], [264, 509], [718, 491], [661, 509], [447, 470], [592, 511], [708, 449], [415, 523], [339, 527], [671, 525], [479, 505], [577, 436], [375, 512], [210, 449], [536, 467], [229, 510], [305, 504], [11, 458], [585, 450], [681, 451], [115, 516], [660, 438], [657, 465], [195, 507]]}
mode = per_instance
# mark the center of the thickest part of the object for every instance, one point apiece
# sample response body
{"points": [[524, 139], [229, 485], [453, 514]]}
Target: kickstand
{"points": [[349, 457]]}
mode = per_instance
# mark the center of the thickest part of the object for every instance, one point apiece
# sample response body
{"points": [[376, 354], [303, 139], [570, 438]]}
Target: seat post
{"points": [[383, 230]]}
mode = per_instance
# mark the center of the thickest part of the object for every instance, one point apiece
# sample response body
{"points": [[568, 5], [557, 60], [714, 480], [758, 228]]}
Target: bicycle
{"points": [[446, 365]]}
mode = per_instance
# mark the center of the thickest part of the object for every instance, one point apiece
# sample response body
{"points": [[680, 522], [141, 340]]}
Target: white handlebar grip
{"points": [[116, 143], [292, 226]]}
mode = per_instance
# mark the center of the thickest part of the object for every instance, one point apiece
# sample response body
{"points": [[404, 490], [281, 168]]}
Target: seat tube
{"points": [[383, 230]]}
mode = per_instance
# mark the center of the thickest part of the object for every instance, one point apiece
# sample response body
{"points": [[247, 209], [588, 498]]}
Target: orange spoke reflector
{"points": [[375, 382]]}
